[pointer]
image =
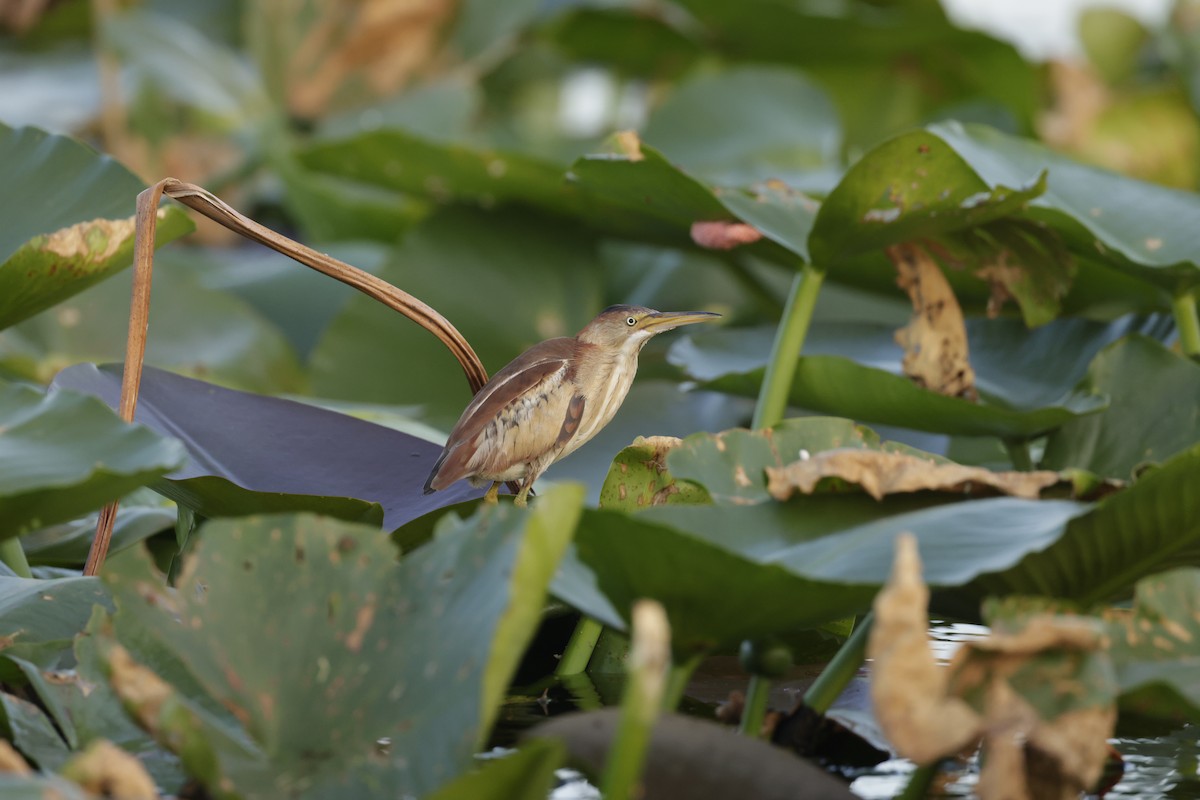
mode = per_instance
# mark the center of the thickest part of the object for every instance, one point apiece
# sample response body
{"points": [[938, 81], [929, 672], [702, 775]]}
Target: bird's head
{"points": [[616, 326]]}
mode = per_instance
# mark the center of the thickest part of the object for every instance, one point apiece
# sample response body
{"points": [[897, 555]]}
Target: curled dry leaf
{"points": [[724, 235], [11, 762], [935, 340], [908, 689], [108, 771], [1042, 696], [881, 473]]}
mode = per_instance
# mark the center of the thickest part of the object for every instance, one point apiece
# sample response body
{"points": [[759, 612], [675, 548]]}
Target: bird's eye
{"points": [[631, 321]]}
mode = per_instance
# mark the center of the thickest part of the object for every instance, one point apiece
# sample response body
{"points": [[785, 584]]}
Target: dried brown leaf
{"points": [[936, 355], [923, 715], [881, 473], [378, 45], [908, 688], [79, 240], [1067, 754], [630, 145], [108, 771], [11, 762], [724, 235]]}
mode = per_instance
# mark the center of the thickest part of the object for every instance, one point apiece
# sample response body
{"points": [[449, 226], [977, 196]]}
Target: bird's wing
{"points": [[530, 413]]}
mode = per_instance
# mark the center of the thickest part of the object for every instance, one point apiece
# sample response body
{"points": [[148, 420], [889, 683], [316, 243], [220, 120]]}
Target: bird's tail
{"points": [[437, 465]]}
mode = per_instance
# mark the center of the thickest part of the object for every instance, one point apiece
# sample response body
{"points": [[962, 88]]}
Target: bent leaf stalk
{"points": [[199, 199]]}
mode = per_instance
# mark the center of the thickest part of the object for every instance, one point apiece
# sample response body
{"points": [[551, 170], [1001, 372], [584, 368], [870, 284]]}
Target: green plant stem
{"points": [[1018, 454], [677, 681], [646, 684], [580, 647], [755, 710], [1187, 321], [12, 554], [626, 756], [919, 783], [841, 670], [789, 340]]}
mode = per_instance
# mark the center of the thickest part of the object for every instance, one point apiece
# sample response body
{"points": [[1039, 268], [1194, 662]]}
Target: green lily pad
{"points": [[65, 454], [68, 220], [444, 630], [141, 515], [730, 465], [47, 611], [253, 454], [639, 478], [1028, 380], [759, 122], [1156, 646], [635, 193], [1013, 364], [1152, 526], [1140, 228], [1139, 428], [727, 573], [911, 187], [32, 732]]}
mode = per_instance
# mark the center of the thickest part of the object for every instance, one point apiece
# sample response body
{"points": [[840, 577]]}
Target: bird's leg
{"points": [[522, 498], [493, 494]]}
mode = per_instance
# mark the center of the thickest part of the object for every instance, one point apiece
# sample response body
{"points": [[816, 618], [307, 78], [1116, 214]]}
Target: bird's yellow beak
{"points": [[661, 321]]}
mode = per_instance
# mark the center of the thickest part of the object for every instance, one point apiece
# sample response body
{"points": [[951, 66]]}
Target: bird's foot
{"points": [[493, 494], [522, 498]]}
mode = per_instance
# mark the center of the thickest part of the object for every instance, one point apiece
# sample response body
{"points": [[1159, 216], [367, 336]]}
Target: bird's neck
{"points": [[611, 372]]}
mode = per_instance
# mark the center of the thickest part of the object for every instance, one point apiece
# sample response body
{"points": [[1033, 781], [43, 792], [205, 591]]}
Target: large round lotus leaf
{"points": [[65, 454], [726, 573], [1139, 428], [142, 514], [1156, 646], [419, 651], [1139, 227], [1152, 526], [37, 611], [252, 454], [909, 188], [852, 370], [68, 220], [731, 464]]}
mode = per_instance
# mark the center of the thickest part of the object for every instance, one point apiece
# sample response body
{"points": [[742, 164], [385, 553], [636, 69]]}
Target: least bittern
{"points": [[550, 400]]}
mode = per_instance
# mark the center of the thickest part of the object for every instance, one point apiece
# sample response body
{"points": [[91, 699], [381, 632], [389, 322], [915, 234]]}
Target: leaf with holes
{"points": [[68, 220], [419, 651]]}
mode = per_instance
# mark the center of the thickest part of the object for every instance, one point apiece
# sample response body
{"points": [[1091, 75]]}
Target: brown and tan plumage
{"points": [[550, 400]]}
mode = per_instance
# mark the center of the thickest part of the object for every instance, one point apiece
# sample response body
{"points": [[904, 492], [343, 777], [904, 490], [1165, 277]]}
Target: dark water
{"points": [[1158, 764]]}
